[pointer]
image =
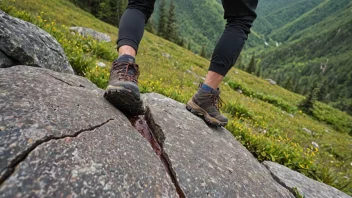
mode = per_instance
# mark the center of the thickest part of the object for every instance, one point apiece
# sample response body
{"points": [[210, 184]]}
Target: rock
{"points": [[60, 138], [5, 61], [307, 131], [307, 187], [271, 81], [316, 145], [166, 55], [27, 44], [101, 64], [207, 162], [90, 32], [239, 91]]}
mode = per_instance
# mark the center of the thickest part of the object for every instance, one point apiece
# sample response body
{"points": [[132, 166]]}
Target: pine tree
{"points": [[322, 93], [238, 63], [121, 6], [257, 71], [104, 10], [307, 105], [150, 26], [203, 53], [288, 85], [251, 66], [171, 30], [189, 45], [181, 42], [162, 19]]}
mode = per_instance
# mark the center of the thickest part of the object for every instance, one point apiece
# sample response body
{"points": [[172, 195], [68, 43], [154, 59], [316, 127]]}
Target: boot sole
{"points": [[198, 111], [124, 100]]}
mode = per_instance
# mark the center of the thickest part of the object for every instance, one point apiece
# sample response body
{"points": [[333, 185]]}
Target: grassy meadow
{"points": [[264, 117]]}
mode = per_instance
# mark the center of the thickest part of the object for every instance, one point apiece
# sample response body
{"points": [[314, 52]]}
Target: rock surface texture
{"points": [[90, 32], [27, 44], [208, 162], [5, 61], [307, 187], [60, 138]]}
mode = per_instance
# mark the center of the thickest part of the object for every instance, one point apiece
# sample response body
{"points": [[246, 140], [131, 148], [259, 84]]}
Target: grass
{"points": [[265, 121]]}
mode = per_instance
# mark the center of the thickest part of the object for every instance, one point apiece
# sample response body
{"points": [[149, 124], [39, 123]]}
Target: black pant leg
{"points": [[146, 6], [240, 15], [132, 23]]}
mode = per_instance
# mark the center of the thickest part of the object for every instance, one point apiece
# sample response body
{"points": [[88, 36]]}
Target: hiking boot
{"points": [[207, 105], [123, 91]]}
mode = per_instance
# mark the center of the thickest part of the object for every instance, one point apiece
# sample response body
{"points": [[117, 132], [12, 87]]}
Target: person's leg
{"points": [[240, 16], [123, 91]]}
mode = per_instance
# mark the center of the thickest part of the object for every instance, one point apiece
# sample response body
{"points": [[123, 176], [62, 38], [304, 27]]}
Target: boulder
{"points": [[271, 81], [5, 61], [60, 138], [90, 32], [306, 187], [207, 162], [27, 44]]}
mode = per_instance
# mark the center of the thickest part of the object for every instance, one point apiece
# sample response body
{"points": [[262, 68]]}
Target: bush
{"points": [[266, 98], [237, 110], [271, 147]]}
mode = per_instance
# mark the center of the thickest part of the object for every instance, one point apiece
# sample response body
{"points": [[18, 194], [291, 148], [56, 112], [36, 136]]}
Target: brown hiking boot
{"points": [[123, 91], [207, 105]]}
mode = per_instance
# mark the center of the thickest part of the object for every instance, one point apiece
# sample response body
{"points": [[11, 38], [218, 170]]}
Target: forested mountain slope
{"points": [[315, 52]]}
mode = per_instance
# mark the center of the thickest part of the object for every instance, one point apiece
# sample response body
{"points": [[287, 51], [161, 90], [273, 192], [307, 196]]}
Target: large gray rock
{"points": [[307, 187], [5, 61], [60, 138], [90, 32], [27, 44], [208, 162]]}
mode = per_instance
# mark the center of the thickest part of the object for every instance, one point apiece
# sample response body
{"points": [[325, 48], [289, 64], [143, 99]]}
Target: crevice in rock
{"points": [[280, 182], [147, 127], [9, 170], [59, 79]]}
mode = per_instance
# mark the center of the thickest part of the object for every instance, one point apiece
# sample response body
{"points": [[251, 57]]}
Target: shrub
{"points": [[237, 110], [266, 98]]}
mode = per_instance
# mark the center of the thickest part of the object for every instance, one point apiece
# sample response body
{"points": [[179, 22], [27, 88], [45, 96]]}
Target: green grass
{"points": [[261, 123]]}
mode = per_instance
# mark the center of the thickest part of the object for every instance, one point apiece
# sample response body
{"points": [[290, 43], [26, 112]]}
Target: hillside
{"points": [[316, 38], [264, 117], [322, 25]]}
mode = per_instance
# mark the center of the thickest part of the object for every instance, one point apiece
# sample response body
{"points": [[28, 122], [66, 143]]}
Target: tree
{"points": [[238, 63], [171, 29], [181, 42], [162, 19], [203, 53], [307, 105], [322, 92], [252, 65], [104, 11], [120, 9], [150, 26], [288, 85], [189, 45]]}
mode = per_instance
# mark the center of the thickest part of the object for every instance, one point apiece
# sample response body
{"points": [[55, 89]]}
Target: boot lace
{"points": [[217, 101], [122, 71]]}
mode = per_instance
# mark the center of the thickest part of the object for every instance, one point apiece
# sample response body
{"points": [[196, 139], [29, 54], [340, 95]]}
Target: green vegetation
{"points": [[266, 98], [293, 40], [308, 45], [257, 117]]}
